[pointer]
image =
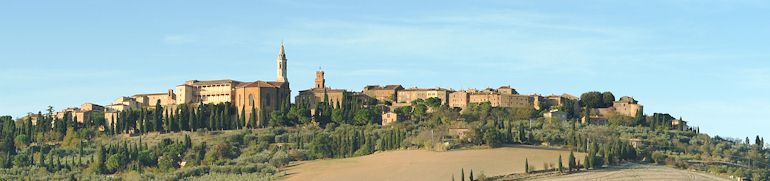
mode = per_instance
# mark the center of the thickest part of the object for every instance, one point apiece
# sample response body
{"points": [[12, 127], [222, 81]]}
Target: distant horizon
{"points": [[704, 61]]}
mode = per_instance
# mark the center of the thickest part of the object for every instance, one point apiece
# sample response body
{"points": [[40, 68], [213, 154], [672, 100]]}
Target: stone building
{"points": [[389, 118], [561, 102], [362, 98], [150, 100], [32, 117], [388, 93], [67, 111], [679, 124], [555, 115], [459, 99], [91, 107], [319, 92], [628, 106], [123, 103], [263, 96], [406, 96], [502, 97], [207, 92], [110, 117]]}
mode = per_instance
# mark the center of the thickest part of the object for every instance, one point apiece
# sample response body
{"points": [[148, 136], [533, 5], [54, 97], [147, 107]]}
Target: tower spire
{"points": [[281, 65]]}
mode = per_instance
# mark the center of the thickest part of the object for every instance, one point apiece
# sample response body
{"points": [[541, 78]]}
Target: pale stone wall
{"points": [[313, 96], [91, 107], [508, 97], [493, 99], [517, 101], [458, 99], [185, 94], [81, 116], [215, 94], [208, 92], [389, 118], [388, 93], [627, 109], [110, 117], [409, 95]]}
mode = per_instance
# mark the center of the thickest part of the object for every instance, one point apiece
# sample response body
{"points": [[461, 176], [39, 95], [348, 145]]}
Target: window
{"points": [[251, 100]]}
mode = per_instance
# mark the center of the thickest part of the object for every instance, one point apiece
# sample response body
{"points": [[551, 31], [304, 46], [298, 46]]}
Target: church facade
{"points": [[260, 98]]}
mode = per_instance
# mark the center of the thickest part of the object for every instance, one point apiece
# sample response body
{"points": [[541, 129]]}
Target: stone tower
{"points": [[281, 66], [320, 82]]}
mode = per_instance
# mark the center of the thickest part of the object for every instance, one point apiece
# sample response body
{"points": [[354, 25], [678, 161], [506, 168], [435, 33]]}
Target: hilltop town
{"points": [[266, 97], [228, 129]]}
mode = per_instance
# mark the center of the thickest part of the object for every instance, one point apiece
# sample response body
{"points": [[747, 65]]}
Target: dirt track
{"points": [[426, 165], [635, 172]]}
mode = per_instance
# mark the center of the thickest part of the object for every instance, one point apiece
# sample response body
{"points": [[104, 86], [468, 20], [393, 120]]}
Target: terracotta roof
{"points": [[259, 83], [321, 90], [387, 87], [277, 84]]}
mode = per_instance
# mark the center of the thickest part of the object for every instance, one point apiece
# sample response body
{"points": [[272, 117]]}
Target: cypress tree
{"points": [[211, 121], [526, 165], [99, 163], [252, 118], [165, 124], [571, 161], [462, 174], [158, 116], [228, 118], [145, 124], [242, 119], [172, 123], [191, 119], [561, 166]]}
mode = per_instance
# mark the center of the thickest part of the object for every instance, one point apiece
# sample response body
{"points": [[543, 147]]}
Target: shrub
{"points": [[659, 157], [266, 138], [279, 159]]}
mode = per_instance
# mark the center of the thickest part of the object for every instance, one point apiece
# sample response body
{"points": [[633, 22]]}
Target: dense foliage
{"points": [[208, 141]]}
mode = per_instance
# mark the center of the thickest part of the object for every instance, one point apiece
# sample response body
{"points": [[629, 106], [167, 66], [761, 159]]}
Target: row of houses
{"points": [[264, 96], [395, 96], [267, 96]]}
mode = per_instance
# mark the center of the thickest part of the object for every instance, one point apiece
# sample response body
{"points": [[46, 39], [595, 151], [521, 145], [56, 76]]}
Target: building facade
{"points": [[389, 118], [264, 97], [406, 96], [207, 92], [150, 100], [320, 93], [388, 93], [504, 96], [628, 106]]}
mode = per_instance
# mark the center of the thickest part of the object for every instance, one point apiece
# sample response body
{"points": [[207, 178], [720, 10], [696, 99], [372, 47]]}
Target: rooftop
{"points": [[210, 82], [387, 87]]}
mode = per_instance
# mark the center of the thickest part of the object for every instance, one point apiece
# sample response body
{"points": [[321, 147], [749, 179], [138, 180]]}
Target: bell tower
{"points": [[281, 65], [320, 81]]}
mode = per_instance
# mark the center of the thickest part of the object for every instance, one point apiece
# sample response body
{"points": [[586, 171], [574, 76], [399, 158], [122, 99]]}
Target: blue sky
{"points": [[705, 61]]}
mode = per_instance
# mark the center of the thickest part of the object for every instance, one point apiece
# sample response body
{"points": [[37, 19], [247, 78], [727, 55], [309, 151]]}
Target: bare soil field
{"points": [[427, 165]]}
